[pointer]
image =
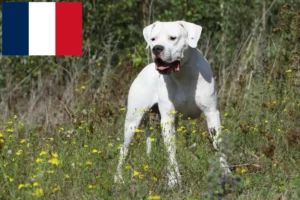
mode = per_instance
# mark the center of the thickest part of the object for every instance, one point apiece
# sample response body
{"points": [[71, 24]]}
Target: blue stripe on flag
{"points": [[15, 33]]}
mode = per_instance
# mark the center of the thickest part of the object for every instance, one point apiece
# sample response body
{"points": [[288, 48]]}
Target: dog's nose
{"points": [[157, 49]]}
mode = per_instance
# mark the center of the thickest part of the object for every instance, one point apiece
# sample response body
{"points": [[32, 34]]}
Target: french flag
{"points": [[42, 28]]}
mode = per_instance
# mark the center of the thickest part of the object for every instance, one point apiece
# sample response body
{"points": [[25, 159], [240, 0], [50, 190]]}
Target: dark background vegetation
{"points": [[254, 49]]}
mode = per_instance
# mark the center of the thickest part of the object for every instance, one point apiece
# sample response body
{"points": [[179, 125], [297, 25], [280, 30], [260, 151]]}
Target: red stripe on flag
{"points": [[68, 28]]}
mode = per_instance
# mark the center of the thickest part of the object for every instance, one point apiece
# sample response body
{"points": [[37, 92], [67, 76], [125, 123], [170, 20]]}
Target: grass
{"points": [[261, 132]]}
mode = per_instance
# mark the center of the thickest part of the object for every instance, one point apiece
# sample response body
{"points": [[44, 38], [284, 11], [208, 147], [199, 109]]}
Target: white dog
{"points": [[181, 80]]}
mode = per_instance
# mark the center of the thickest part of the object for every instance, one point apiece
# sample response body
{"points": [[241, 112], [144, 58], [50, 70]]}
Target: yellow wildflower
{"points": [[9, 123], [154, 198], [141, 176], [60, 129], [26, 185], [38, 192], [38, 160], [85, 146], [36, 184], [243, 170], [9, 130], [146, 167], [94, 151], [54, 161], [128, 167], [43, 153], [55, 189], [88, 162], [152, 139], [181, 129], [21, 186], [90, 186], [136, 130], [173, 112], [19, 152], [67, 176], [10, 179], [288, 71], [122, 109], [22, 141], [136, 173], [54, 155]]}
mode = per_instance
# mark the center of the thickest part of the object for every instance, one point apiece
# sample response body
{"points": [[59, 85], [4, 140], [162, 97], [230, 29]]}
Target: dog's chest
{"points": [[184, 98]]}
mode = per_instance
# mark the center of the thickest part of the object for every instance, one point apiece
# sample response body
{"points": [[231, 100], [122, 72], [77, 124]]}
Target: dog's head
{"points": [[168, 42]]}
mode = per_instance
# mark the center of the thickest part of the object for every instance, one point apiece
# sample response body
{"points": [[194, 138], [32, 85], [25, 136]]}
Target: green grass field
{"points": [[78, 161]]}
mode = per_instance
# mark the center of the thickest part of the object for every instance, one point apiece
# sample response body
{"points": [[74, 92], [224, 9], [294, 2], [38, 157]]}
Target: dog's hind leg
{"points": [[142, 95], [132, 122]]}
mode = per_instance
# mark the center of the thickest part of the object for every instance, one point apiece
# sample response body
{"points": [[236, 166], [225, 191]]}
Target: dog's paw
{"points": [[174, 181], [118, 179]]}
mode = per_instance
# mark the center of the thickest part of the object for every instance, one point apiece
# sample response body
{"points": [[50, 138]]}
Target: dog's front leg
{"points": [[214, 127], [168, 133]]}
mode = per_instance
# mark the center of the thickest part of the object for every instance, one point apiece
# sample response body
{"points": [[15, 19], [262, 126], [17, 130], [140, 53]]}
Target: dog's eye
{"points": [[173, 38], [152, 39]]}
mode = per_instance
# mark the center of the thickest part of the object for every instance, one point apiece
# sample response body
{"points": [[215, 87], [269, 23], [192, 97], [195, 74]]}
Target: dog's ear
{"points": [[193, 32], [147, 31]]}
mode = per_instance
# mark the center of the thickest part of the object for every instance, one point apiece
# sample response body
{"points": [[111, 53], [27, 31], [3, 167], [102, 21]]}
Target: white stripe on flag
{"points": [[42, 28]]}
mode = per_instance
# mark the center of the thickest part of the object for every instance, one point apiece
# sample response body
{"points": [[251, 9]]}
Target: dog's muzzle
{"points": [[162, 66], [166, 68]]}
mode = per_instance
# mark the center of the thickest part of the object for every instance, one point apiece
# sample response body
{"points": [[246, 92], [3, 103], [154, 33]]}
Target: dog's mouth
{"points": [[166, 68]]}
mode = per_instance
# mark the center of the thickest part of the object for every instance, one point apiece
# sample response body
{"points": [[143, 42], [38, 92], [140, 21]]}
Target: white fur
{"points": [[189, 91]]}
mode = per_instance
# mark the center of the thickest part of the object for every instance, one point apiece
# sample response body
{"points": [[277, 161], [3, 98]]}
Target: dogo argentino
{"points": [[179, 79]]}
